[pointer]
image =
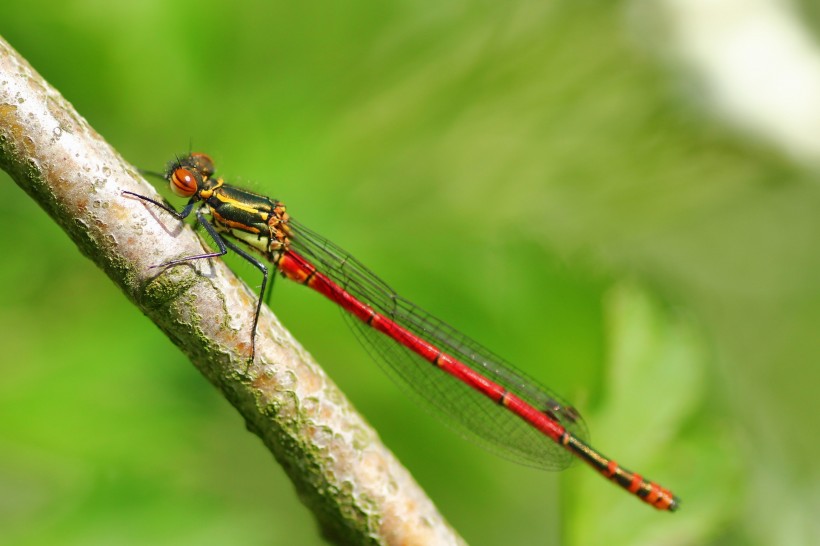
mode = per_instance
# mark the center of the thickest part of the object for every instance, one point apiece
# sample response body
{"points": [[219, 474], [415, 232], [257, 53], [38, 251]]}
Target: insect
{"points": [[475, 390]]}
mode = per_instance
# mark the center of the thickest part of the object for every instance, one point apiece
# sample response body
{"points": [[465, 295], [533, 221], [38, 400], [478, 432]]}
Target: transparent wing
{"points": [[474, 415]]}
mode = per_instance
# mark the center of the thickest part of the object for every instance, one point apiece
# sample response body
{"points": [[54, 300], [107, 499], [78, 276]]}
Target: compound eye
{"points": [[203, 163], [184, 182]]}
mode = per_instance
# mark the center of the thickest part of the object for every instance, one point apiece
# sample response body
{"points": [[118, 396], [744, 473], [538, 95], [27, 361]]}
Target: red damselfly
{"points": [[477, 391]]}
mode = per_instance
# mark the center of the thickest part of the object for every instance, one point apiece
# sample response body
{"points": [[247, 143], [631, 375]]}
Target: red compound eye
{"points": [[184, 183]]}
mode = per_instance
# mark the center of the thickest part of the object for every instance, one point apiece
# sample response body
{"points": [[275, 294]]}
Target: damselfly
{"points": [[484, 396]]}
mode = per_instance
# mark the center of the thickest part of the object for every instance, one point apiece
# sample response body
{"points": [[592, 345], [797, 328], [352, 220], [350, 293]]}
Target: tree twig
{"points": [[358, 491]]}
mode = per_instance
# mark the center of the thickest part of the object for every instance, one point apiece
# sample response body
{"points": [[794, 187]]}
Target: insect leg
{"points": [[220, 242], [270, 291], [180, 215], [263, 268]]}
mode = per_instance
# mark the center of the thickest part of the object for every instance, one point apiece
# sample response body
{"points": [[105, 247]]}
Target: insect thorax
{"points": [[264, 229]]}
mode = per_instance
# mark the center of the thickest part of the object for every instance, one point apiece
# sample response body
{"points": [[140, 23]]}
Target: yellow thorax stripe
{"points": [[238, 204]]}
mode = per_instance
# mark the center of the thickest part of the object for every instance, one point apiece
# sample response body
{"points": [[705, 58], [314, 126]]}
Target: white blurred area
{"points": [[759, 65]]}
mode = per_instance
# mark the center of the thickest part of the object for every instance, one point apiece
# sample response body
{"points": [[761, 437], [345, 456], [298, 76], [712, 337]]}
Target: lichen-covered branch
{"points": [[355, 486]]}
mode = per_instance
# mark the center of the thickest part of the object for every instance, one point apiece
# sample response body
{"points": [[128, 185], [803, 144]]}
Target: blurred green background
{"points": [[532, 172]]}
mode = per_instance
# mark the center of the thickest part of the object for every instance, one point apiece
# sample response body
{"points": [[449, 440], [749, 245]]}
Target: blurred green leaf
{"points": [[655, 389]]}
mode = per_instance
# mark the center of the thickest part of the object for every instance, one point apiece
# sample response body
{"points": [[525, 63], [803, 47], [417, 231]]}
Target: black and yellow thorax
{"points": [[256, 220]]}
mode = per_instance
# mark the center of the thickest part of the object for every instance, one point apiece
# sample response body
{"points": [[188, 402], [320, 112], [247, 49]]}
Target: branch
{"points": [[358, 491]]}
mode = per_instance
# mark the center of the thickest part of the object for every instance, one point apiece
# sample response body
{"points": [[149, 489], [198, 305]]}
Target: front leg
{"points": [[181, 216], [178, 215], [200, 218]]}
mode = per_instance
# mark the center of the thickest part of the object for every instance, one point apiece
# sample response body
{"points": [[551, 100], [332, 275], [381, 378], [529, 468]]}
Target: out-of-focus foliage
{"points": [[525, 170]]}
